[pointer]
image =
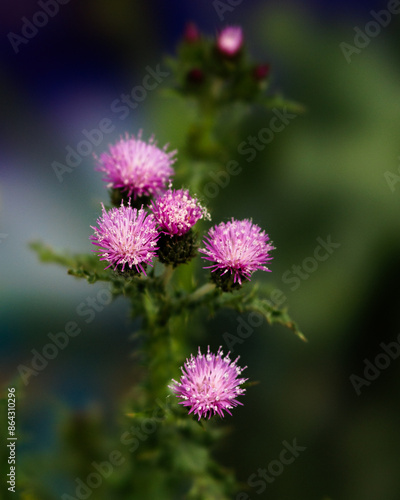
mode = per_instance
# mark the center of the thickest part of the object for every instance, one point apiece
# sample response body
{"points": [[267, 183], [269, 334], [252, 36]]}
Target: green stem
{"points": [[160, 361], [200, 292], [167, 275]]}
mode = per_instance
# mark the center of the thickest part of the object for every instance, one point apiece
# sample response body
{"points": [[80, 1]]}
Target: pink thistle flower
{"points": [[138, 167], [126, 236], [238, 247], [230, 41], [209, 384], [176, 212]]}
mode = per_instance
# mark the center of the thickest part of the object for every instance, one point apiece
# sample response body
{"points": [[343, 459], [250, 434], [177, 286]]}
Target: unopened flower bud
{"points": [[191, 33], [195, 75], [261, 72]]}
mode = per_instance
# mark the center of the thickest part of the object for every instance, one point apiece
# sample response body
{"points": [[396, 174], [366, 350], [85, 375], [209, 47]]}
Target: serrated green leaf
{"points": [[86, 266], [242, 302]]}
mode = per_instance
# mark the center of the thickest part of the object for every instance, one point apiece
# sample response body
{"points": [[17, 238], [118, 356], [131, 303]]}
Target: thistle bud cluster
{"points": [[218, 69]]}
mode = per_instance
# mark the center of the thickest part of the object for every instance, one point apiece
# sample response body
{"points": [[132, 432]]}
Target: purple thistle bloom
{"points": [[238, 247], [209, 384], [138, 167], [230, 40], [126, 236], [176, 212]]}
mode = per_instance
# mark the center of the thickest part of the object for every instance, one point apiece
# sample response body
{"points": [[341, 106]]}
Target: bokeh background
{"points": [[323, 175]]}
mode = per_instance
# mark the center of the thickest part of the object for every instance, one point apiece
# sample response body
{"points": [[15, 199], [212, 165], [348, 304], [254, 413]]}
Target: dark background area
{"points": [[324, 175]]}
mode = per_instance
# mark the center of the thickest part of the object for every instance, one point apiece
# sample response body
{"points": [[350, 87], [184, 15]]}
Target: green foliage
{"points": [[148, 295], [82, 266], [246, 302]]}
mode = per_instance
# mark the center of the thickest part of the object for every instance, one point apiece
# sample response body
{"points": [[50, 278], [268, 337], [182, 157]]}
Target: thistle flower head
{"points": [[176, 212], [136, 166], [209, 384], [230, 40], [238, 247], [126, 237]]}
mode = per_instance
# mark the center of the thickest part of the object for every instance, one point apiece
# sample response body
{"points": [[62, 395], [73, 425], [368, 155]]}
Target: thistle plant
{"points": [[153, 249]]}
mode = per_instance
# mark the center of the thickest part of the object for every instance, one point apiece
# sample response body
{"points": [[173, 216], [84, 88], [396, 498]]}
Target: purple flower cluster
{"points": [[238, 247], [209, 384], [176, 212], [137, 167], [126, 237], [129, 239]]}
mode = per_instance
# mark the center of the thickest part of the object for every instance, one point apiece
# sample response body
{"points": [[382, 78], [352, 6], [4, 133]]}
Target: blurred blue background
{"points": [[324, 175]]}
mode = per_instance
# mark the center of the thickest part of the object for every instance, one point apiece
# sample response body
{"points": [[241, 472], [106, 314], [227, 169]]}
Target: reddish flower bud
{"points": [[195, 75], [261, 71], [191, 33]]}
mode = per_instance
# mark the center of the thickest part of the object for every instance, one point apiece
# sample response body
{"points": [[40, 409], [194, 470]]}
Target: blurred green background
{"points": [[323, 175]]}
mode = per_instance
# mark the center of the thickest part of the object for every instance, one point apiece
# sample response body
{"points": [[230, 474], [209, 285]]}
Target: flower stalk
{"points": [[153, 226]]}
